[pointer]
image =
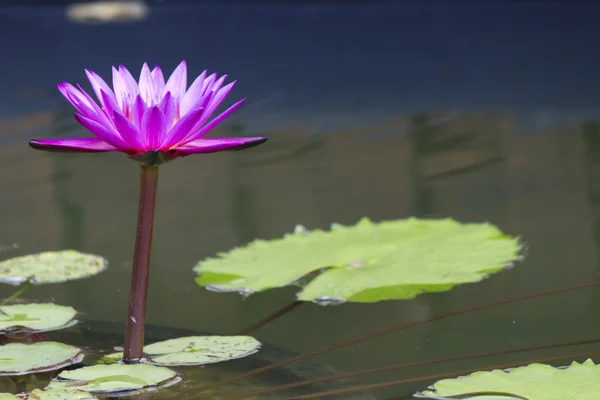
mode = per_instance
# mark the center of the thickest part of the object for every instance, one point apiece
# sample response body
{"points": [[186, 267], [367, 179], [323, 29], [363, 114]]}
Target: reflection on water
{"points": [[476, 138], [473, 167]]}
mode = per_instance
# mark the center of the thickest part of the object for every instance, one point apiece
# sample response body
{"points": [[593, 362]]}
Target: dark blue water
{"points": [[475, 111]]}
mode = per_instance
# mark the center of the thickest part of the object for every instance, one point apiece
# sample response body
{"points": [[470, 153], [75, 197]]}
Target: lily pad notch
{"points": [[367, 262], [36, 317]]}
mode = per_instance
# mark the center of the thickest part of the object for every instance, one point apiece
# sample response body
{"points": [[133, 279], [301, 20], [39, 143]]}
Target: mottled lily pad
{"points": [[59, 394], [531, 382], [367, 262], [51, 267], [114, 378], [36, 317], [22, 359], [195, 350]]}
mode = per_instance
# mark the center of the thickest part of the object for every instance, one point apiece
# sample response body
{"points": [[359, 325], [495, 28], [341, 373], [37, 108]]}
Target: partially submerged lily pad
{"points": [[367, 262], [114, 378], [195, 350], [60, 394], [51, 267], [531, 382], [35, 317], [22, 359]]}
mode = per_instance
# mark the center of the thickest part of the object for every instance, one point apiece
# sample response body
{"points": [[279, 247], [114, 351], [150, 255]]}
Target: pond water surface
{"points": [[478, 112]]}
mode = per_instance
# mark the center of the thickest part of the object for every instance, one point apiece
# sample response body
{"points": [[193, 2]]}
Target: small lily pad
{"points": [[195, 350], [531, 382], [59, 394], [22, 359], [36, 317], [367, 262], [51, 267], [114, 378]]}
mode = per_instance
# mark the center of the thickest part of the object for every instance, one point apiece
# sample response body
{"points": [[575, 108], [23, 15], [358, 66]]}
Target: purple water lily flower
{"points": [[151, 121]]}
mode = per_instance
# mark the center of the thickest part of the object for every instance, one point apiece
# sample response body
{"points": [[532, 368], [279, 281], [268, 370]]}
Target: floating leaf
{"points": [[367, 262], [531, 382], [196, 350], [21, 359], [59, 394], [37, 317], [8, 396], [114, 378], [51, 267]]}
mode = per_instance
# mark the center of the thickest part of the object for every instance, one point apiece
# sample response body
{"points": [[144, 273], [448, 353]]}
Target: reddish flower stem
{"points": [[138, 292]]}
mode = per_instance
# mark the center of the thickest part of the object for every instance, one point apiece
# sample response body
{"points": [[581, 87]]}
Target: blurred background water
{"points": [[482, 111]]}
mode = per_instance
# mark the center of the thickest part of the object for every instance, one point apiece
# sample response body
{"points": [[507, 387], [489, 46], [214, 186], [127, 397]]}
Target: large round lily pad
{"points": [[21, 359], [35, 317], [59, 394], [51, 267], [531, 382], [196, 350], [114, 378], [367, 262]]}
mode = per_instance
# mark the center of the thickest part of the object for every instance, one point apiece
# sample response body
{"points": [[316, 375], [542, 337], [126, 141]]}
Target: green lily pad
{"points": [[367, 262], [37, 317], [22, 359], [531, 382], [8, 396], [59, 394], [51, 267], [195, 350], [114, 378]]}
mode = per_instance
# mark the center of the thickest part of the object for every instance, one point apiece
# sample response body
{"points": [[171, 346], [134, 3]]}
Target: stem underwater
{"points": [[138, 292]]}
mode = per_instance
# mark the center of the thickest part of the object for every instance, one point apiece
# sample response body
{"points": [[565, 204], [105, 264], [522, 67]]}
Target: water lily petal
{"points": [[181, 129], [108, 109], [101, 131], [177, 82], [99, 85], [101, 118], [130, 82], [82, 103], [192, 95], [208, 83], [215, 101], [124, 94], [159, 81], [212, 124], [128, 132], [73, 95], [217, 85], [82, 145], [168, 106], [154, 125], [137, 112], [213, 145], [147, 86]]}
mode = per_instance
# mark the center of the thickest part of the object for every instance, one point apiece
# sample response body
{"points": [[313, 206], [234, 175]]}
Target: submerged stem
{"points": [[393, 329], [434, 378], [138, 292], [16, 294], [414, 364], [270, 318]]}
